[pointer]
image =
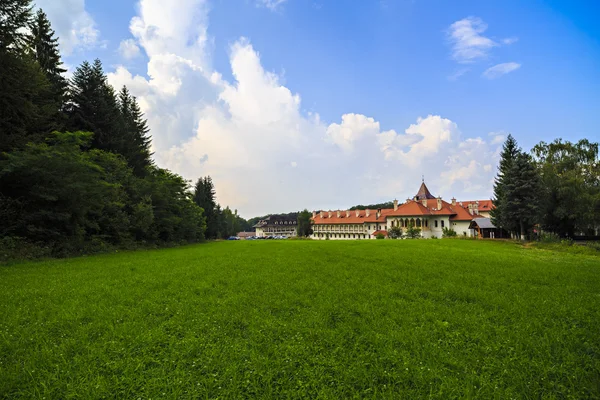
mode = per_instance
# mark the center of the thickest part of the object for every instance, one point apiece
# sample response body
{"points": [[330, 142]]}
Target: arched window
{"points": [[436, 223], [418, 222], [442, 223]]}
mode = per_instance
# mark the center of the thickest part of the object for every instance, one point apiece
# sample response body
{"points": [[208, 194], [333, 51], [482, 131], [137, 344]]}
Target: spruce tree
{"points": [[136, 141], [499, 214], [44, 47], [26, 104], [522, 194], [93, 107], [204, 196], [14, 17]]}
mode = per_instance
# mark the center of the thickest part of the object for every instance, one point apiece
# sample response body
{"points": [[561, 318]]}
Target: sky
{"points": [[293, 104]]}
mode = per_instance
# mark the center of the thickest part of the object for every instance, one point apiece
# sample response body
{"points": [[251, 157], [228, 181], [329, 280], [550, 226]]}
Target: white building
{"points": [[277, 225], [430, 214]]}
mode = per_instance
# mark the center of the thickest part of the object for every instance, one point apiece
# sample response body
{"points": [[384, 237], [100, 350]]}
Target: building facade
{"points": [[277, 225], [429, 213]]}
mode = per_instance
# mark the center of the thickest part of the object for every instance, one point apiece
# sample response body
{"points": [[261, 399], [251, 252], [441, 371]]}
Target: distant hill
{"points": [[388, 204]]}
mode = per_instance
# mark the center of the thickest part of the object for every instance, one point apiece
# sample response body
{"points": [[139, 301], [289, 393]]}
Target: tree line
{"points": [[555, 188], [76, 168]]}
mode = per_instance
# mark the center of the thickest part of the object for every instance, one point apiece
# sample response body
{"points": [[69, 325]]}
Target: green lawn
{"points": [[304, 319]]}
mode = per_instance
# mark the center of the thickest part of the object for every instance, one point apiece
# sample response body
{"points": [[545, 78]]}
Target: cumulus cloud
{"points": [[129, 49], [73, 25], [500, 69], [264, 152], [468, 43]]}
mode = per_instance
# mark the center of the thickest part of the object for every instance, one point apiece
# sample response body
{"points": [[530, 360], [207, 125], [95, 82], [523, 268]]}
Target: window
{"points": [[427, 223], [436, 224], [442, 223]]}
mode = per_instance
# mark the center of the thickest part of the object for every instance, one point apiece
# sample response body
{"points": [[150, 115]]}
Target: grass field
{"points": [[304, 319]]}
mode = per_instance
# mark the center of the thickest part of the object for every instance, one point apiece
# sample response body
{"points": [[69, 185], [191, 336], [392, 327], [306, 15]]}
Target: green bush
{"points": [[413, 233], [380, 236], [549, 237], [448, 233]]}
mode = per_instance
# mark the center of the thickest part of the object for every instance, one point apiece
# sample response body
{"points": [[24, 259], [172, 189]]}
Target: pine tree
{"points": [[204, 196], [93, 107], [14, 16], [135, 141], [499, 214], [44, 47], [26, 104], [522, 194]]}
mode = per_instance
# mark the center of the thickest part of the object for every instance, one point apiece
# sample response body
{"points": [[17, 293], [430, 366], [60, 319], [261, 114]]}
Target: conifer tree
{"points": [[93, 107], [14, 16], [136, 141], [204, 196], [522, 194], [499, 214], [44, 47], [26, 104]]}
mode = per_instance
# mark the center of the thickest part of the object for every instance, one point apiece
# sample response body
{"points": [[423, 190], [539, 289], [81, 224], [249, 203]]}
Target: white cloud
{"points": [[264, 152], [458, 73], [500, 69], [270, 4], [510, 40], [468, 43], [129, 49], [74, 26]]}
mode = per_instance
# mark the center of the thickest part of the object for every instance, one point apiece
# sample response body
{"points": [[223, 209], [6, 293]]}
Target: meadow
{"points": [[304, 319]]}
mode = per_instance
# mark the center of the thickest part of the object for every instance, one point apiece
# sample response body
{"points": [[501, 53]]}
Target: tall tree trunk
{"points": [[522, 229]]}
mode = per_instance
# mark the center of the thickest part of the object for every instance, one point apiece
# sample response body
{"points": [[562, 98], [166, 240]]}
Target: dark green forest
{"points": [[76, 168]]}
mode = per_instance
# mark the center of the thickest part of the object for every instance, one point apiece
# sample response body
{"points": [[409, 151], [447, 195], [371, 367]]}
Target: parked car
{"points": [[233, 238]]}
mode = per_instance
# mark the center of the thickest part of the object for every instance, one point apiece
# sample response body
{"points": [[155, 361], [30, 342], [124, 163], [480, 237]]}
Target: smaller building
{"points": [[277, 225], [484, 229], [245, 235]]}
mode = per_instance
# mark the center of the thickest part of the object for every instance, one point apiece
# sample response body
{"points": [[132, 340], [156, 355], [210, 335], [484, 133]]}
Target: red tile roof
{"points": [[384, 233], [484, 205]]}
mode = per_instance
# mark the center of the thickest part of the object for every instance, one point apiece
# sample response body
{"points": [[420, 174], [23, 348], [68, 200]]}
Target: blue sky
{"points": [[390, 66]]}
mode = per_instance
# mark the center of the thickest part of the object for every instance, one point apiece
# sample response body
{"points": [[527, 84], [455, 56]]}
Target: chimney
{"points": [[439, 203], [453, 201], [470, 206], [314, 214], [347, 213], [378, 212], [357, 213], [367, 212], [424, 201], [395, 205], [321, 214], [329, 214], [338, 213]]}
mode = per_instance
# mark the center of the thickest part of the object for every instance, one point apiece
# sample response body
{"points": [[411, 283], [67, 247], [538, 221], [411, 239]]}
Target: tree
{"points": [[135, 140], [521, 193], [14, 16], [498, 214], [204, 196], [26, 102], [570, 176], [44, 47], [304, 220], [395, 232], [93, 107], [412, 232]]}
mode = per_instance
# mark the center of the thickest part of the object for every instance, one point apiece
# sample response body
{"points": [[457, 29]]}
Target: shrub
{"points": [[413, 233], [549, 237], [395, 233], [380, 236], [448, 233]]}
